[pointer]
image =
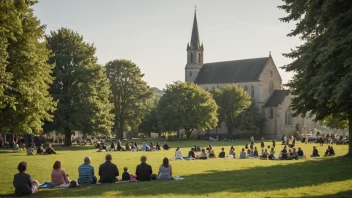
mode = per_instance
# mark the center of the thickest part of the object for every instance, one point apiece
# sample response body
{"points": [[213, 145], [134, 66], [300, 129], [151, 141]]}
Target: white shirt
{"points": [[178, 154]]}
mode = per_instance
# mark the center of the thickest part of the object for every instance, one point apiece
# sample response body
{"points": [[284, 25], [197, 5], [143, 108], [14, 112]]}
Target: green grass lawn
{"points": [[322, 177]]}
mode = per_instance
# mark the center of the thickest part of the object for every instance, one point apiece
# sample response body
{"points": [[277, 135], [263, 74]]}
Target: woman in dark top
{"points": [[157, 147], [315, 152], [284, 153], [23, 183]]}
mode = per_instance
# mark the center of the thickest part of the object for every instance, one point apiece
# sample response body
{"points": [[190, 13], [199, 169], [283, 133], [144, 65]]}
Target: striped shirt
{"points": [[85, 174]]}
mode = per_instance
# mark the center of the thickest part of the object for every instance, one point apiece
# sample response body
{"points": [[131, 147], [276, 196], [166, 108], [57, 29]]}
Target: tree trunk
{"points": [[120, 131], [68, 135], [349, 154], [188, 133]]}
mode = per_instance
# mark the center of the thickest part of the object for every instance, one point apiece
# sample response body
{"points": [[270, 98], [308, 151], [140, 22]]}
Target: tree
{"points": [[335, 121], [149, 123], [250, 119], [186, 106], [322, 65], [232, 101], [216, 96], [80, 87], [24, 72], [130, 94]]}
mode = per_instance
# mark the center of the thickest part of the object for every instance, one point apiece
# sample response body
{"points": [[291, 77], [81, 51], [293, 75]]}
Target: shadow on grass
{"points": [[258, 179], [346, 194]]}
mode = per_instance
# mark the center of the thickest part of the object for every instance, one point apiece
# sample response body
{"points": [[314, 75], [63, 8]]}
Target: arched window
{"points": [[271, 87], [252, 91], [199, 57], [271, 73], [190, 73], [271, 113], [288, 117], [191, 57], [246, 88]]}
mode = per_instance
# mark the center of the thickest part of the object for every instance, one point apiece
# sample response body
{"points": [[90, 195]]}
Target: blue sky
{"points": [[154, 33]]}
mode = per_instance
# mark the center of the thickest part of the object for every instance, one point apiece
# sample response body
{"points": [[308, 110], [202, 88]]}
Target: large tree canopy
{"points": [[80, 87], [130, 94], [186, 106], [322, 82], [232, 101], [25, 77]]}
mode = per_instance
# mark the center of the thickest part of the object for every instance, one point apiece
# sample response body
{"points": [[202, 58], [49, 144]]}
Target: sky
{"points": [[154, 33]]}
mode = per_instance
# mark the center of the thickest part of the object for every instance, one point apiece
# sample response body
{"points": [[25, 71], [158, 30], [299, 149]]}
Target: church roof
{"points": [[277, 98], [195, 43], [247, 70]]}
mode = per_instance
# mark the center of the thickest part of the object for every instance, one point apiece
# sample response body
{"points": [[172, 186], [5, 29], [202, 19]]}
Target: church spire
{"points": [[195, 43]]}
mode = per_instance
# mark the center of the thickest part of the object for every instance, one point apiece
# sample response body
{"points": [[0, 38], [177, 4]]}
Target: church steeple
{"points": [[195, 43], [194, 53]]}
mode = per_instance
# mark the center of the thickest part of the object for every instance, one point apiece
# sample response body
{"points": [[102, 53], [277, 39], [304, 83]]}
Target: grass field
{"points": [[322, 177]]}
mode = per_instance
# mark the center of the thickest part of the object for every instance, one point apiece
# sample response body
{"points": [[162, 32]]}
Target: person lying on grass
{"points": [[165, 170], [59, 175], [50, 150], [23, 183]]}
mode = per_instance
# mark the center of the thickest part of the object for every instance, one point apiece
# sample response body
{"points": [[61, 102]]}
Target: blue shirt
{"points": [[85, 174]]}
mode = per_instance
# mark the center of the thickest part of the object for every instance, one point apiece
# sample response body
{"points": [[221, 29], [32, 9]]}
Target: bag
{"points": [[153, 176], [73, 184]]}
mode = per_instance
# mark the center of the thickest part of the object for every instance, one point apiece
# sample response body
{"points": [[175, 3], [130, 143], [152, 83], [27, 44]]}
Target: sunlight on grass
{"points": [[330, 176]]}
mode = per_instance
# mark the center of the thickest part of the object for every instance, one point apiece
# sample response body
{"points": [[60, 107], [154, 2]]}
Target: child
{"points": [[126, 175], [23, 183]]}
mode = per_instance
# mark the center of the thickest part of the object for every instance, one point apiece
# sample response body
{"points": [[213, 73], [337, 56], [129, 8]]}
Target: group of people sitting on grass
{"points": [[108, 173], [40, 150], [252, 152], [131, 146]]}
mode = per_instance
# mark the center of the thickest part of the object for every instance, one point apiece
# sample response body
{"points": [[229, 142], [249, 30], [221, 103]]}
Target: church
{"points": [[259, 77]]}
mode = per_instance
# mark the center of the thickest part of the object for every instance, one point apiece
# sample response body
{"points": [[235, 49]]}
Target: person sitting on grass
{"points": [[166, 146], [283, 154], [30, 151], [243, 154], [127, 145], [86, 173], [300, 153], [315, 152], [272, 154], [126, 175], [165, 170], [40, 150], [145, 147], [246, 146], [255, 153], [178, 154], [212, 154], [265, 155], [59, 175], [50, 150], [157, 147], [203, 155], [108, 171], [23, 183], [136, 146], [151, 146], [144, 170], [248, 152], [329, 152], [112, 146], [191, 155], [293, 154], [222, 153], [232, 151]]}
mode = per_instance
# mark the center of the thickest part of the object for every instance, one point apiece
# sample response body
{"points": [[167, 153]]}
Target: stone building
{"points": [[258, 76]]}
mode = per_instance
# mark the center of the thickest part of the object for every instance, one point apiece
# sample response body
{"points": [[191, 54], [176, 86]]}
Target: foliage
{"points": [[130, 94], [186, 106], [149, 123], [232, 101], [335, 121], [250, 119], [25, 77], [80, 87], [322, 65]]}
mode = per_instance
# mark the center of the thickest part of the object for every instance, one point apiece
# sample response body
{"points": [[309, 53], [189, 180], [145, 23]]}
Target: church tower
{"points": [[194, 54]]}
